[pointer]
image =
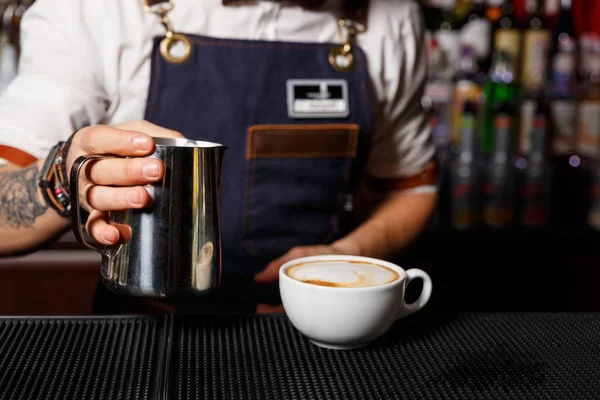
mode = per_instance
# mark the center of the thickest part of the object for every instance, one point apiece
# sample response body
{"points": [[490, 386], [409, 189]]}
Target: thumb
{"points": [[271, 273], [149, 129]]}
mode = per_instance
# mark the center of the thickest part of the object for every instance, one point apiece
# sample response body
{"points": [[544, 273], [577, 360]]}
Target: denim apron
{"points": [[287, 179]]}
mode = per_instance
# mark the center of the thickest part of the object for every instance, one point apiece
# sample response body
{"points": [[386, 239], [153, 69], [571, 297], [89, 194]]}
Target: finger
{"points": [[108, 140], [271, 273], [268, 309], [98, 228], [125, 171], [105, 198], [125, 232], [149, 128]]}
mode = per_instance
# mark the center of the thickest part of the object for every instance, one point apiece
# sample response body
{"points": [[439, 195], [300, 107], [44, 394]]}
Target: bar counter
{"points": [[426, 356]]}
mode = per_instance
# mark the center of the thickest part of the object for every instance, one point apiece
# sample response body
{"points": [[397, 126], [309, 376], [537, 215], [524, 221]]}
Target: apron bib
{"points": [[285, 180]]}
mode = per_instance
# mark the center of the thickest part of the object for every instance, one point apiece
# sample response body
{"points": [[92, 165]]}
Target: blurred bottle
{"points": [[477, 34], [563, 83], [444, 14], [441, 22], [536, 47], [499, 189], [464, 175], [536, 187], [477, 12], [500, 90], [565, 26], [436, 100], [507, 36], [552, 9], [442, 25], [588, 113], [466, 88], [493, 11], [438, 14]]}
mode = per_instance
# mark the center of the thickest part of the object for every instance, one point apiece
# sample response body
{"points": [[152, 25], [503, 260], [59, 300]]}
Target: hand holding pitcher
{"points": [[116, 183], [169, 230]]}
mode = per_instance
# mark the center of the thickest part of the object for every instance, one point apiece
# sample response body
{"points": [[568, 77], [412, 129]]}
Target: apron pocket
{"points": [[296, 184]]}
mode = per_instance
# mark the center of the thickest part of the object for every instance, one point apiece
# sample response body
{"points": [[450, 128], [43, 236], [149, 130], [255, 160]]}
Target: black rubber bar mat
{"points": [[428, 356], [81, 358]]}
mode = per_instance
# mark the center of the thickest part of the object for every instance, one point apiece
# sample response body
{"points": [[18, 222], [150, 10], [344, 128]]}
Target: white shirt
{"points": [[87, 62]]}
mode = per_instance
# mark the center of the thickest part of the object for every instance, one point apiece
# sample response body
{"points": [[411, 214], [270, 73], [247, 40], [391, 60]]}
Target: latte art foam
{"points": [[349, 274]]}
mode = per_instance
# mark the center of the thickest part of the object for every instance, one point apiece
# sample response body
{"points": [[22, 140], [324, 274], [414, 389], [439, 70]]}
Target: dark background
{"points": [[555, 268]]}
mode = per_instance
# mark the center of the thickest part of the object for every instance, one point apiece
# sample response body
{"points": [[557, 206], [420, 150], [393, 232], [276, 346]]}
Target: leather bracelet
{"points": [[64, 152], [61, 185], [47, 183], [61, 177]]}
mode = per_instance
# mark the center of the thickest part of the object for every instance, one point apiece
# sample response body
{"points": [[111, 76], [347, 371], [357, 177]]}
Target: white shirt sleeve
{"points": [[402, 143], [58, 88]]}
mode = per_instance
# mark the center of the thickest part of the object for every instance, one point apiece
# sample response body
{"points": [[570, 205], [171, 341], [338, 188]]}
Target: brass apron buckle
{"points": [[175, 48]]}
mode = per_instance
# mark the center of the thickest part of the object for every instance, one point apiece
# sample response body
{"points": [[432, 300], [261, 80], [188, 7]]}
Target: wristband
{"points": [[53, 179], [47, 180]]}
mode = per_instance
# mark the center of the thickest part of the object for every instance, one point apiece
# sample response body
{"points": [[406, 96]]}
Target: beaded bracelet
{"points": [[47, 182], [61, 184], [54, 179]]}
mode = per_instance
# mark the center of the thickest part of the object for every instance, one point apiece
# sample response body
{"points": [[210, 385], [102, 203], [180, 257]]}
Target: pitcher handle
{"points": [[76, 219]]}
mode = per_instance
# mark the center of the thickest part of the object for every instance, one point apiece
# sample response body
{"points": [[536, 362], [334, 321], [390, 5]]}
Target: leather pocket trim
{"points": [[302, 141]]}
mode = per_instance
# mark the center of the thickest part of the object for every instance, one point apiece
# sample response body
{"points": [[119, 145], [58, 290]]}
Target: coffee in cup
{"points": [[346, 302], [342, 273]]}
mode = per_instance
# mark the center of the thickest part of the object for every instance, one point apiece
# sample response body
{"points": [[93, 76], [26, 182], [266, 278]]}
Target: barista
{"points": [[311, 103]]}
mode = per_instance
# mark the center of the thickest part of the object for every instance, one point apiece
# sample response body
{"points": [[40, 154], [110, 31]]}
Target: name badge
{"points": [[314, 98]]}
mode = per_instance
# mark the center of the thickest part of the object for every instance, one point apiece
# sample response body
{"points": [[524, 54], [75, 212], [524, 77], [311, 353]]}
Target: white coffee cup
{"points": [[345, 317]]}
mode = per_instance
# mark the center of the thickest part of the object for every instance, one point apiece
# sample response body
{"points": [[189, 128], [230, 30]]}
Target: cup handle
{"points": [[408, 309], [76, 219]]}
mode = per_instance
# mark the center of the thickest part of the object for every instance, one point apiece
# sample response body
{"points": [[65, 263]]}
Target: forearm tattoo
{"points": [[20, 204]]}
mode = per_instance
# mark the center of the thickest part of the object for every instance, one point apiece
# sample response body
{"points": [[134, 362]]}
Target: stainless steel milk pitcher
{"points": [[175, 244]]}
